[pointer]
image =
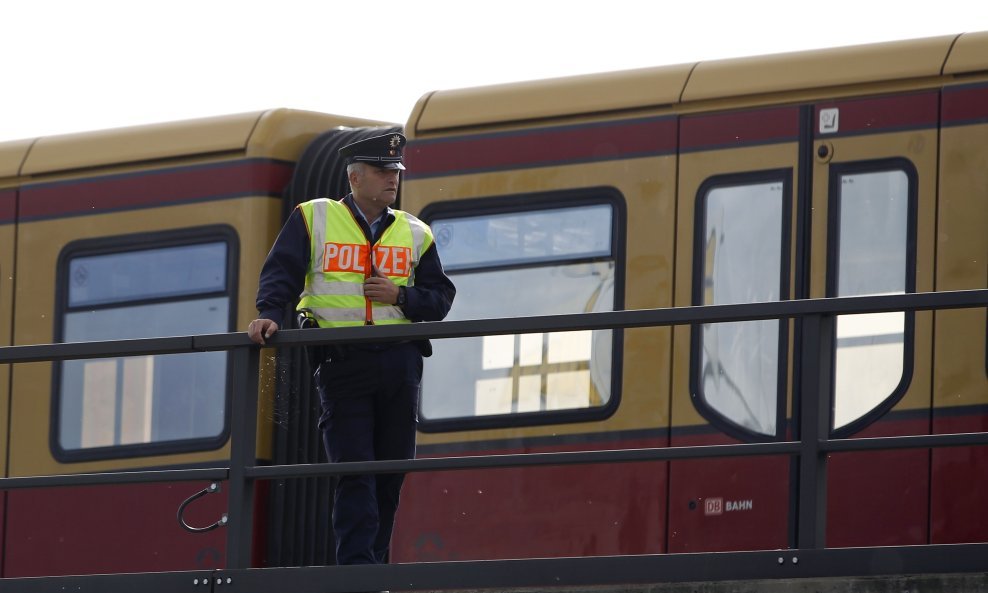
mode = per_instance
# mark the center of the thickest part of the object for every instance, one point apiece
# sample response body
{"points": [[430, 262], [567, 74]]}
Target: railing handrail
{"points": [[432, 464], [629, 318]]}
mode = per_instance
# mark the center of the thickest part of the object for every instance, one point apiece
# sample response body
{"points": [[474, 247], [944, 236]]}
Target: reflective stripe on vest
{"points": [[334, 283]]}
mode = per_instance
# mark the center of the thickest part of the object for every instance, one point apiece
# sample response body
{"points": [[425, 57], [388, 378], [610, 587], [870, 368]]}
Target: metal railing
{"points": [[810, 558]]}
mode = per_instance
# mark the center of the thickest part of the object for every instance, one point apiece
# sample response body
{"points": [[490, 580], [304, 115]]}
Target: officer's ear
{"points": [[354, 174]]}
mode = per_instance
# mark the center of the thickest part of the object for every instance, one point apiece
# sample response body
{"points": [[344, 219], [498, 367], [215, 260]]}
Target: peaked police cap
{"points": [[380, 151]]}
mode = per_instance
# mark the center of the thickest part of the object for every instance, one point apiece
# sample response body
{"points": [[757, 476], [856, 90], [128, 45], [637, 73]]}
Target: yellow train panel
{"points": [[284, 133], [140, 143], [920, 148], [961, 377], [559, 97], [277, 134], [969, 54], [11, 158], [818, 69], [32, 388], [695, 170], [647, 183]]}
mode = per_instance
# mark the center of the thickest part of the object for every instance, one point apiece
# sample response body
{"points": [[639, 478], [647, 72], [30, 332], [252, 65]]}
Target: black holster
{"points": [[314, 354]]}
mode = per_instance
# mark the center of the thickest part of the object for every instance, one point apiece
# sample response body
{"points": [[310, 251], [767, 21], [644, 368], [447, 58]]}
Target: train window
{"points": [[553, 260], [873, 257], [741, 243], [107, 407]]}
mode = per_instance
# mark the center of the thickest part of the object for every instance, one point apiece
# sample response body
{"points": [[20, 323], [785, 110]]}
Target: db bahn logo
{"points": [[717, 506], [352, 257]]}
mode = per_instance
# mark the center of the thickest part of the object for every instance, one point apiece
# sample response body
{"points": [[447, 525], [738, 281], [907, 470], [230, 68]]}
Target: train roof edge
{"points": [[275, 133], [648, 88]]}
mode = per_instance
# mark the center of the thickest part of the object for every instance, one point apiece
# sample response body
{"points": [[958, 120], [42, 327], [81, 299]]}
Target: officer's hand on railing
{"points": [[261, 329]]}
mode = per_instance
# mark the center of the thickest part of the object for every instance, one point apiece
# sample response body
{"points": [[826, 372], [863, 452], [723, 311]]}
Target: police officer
{"points": [[357, 261]]}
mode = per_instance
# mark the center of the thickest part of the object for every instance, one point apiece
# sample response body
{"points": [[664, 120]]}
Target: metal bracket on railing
{"points": [[214, 487]]}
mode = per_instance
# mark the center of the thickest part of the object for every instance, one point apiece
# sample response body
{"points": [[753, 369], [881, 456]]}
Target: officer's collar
{"points": [[386, 215]]}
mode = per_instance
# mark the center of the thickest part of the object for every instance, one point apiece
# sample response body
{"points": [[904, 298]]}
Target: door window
{"points": [[738, 368], [873, 257]]}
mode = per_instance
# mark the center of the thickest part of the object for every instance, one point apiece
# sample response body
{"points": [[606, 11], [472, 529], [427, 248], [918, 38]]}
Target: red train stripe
{"points": [[8, 206], [542, 147], [154, 188], [883, 114], [965, 105], [729, 130]]}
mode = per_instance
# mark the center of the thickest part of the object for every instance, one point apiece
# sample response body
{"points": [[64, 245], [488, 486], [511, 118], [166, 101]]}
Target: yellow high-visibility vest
{"points": [[341, 261]]}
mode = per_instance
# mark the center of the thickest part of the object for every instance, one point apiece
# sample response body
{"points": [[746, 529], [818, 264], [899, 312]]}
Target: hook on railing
{"points": [[214, 487]]}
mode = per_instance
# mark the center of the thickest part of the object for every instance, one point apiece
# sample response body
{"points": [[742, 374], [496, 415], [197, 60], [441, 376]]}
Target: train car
{"points": [[149, 231], [844, 172], [839, 172]]}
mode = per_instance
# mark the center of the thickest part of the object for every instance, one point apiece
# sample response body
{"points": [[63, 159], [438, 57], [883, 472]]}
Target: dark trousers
{"points": [[369, 406]]}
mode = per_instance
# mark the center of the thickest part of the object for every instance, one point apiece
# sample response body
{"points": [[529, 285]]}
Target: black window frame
{"points": [[708, 412], [119, 244], [541, 201], [833, 230]]}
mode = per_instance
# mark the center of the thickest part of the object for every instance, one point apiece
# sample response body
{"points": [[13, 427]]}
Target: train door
{"points": [[735, 243], [874, 177], [759, 228]]}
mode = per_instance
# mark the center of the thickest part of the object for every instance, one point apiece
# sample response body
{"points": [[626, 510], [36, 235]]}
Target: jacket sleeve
{"points": [[283, 274], [432, 295]]}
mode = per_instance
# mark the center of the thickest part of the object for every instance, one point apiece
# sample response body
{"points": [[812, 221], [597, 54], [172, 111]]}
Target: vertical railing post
{"points": [[817, 371], [243, 454]]}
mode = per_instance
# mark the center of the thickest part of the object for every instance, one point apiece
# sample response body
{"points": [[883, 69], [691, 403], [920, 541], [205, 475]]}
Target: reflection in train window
{"points": [[140, 400], [515, 264], [736, 365], [872, 259]]}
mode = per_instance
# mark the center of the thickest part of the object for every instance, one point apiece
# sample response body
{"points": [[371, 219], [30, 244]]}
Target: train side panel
{"points": [[960, 381], [570, 181]]}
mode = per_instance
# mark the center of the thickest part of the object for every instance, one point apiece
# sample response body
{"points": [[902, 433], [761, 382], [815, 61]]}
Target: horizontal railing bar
{"points": [[145, 582], [521, 460], [514, 325], [906, 442], [270, 472], [126, 477], [616, 570], [480, 575], [80, 350], [607, 456], [635, 318]]}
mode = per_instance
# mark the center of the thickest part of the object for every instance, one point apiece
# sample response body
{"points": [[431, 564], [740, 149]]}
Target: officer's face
{"points": [[375, 185]]}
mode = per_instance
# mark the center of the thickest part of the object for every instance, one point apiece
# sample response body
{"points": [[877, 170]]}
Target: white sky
{"points": [[71, 66]]}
